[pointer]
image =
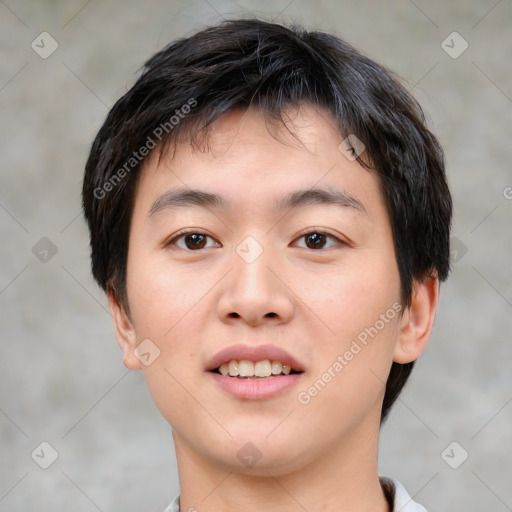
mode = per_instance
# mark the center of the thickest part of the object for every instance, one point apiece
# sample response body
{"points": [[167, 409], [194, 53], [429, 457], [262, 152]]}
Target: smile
{"points": [[249, 369]]}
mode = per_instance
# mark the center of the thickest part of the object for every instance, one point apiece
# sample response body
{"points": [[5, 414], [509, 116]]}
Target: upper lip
{"points": [[254, 353]]}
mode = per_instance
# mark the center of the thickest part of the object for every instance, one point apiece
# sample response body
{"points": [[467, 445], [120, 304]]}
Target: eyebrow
{"points": [[186, 198]]}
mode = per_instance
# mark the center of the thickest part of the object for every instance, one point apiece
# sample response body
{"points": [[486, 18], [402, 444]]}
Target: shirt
{"points": [[401, 500]]}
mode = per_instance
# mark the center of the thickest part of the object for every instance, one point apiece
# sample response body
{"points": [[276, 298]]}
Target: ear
{"points": [[417, 321], [125, 333]]}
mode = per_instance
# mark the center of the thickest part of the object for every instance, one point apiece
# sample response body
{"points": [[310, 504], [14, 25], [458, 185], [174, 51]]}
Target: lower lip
{"points": [[256, 389]]}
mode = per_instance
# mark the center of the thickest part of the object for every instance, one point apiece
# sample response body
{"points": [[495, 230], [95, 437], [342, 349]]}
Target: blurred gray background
{"points": [[62, 380]]}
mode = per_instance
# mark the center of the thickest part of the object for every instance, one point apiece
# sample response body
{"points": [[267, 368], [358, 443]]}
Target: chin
{"points": [[256, 453]]}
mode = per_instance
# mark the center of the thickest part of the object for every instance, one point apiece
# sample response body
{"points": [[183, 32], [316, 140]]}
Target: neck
{"points": [[344, 477]]}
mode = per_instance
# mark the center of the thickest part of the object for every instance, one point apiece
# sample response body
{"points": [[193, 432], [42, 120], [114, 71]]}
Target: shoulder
{"points": [[402, 501]]}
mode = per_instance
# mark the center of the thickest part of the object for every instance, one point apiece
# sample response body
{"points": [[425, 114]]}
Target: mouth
{"points": [[255, 372], [260, 361], [246, 369]]}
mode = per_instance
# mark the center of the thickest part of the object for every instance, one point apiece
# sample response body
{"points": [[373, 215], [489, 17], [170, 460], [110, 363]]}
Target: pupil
{"points": [[195, 237], [316, 238]]}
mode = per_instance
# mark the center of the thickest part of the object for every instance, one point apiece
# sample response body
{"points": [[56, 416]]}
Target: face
{"points": [[293, 262]]}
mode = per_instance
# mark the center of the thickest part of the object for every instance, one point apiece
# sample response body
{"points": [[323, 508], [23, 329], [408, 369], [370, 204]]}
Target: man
{"points": [[270, 219]]}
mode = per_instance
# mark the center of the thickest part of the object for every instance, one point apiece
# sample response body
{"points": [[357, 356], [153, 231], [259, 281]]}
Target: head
{"points": [[253, 111]]}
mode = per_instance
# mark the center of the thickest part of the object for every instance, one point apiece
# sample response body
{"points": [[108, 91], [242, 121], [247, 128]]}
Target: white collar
{"points": [[402, 503]]}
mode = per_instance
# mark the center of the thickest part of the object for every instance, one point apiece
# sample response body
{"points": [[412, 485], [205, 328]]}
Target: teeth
{"points": [[277, 367], [233, 368], [262, 369], [246, 368]]}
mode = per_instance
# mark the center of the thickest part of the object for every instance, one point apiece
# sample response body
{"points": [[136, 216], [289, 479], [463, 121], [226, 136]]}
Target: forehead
{"points": [[250, 158]]}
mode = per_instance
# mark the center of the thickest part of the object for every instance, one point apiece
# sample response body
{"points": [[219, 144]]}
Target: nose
{"points": [[256, 292]]}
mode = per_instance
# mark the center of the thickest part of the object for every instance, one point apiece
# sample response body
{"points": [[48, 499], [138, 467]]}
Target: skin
{"points": [[313, 302]]}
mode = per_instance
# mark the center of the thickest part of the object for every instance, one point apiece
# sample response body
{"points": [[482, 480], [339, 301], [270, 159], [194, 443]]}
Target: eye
{"points": [[195, 240], [317, 239], [192, 240]]}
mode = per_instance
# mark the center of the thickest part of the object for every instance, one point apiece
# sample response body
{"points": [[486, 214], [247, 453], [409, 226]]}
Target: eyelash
{"points": [[311, 231]]}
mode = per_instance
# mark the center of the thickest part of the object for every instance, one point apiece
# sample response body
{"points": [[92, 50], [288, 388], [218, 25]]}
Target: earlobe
{"points": [[417, 321], [125, 333]]}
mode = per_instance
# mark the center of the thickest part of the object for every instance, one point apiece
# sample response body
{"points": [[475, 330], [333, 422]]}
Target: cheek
{"points": [[352, 298], [162, 296], [357, 310], [352, 365], [169, 306]]}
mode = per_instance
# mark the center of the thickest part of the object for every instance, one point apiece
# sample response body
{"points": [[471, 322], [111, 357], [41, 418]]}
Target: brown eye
{"points": [[192, 241], [195, 241], [317, 240]]}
